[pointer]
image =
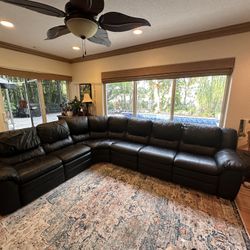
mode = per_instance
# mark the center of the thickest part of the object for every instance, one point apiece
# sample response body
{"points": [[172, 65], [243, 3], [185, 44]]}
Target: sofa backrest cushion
{"points": [[24, 156], [229, 138], [98, 127], [54, 135], [166, 134], [18, 141], [117, 127], [79, 128], [202, 140], [138, 131]]}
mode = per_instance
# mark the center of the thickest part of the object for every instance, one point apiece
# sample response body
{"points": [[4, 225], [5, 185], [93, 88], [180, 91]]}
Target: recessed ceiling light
{"points": [[76, 48], [7, 24], [137, 32]]}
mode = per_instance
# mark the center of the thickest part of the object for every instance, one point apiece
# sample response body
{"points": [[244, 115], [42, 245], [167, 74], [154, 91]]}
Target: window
{"points": [[198, 100], [119, 98], [23, 103]]}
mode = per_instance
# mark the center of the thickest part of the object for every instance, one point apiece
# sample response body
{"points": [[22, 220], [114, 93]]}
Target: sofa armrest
{"points": [[229, 160], [8, 173]]}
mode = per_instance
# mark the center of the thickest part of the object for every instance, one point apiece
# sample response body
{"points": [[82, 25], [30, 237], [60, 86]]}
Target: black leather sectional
{"points": [[35, 160]]}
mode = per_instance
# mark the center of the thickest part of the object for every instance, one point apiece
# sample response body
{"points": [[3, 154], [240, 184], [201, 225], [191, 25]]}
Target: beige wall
{"points": [[21, 61], [237, 46]]}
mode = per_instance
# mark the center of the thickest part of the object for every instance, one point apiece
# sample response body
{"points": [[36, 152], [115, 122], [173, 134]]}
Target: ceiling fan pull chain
{"points": [[85, 47]]}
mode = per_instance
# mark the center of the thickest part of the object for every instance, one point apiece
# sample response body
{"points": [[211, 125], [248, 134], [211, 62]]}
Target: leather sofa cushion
{"points": [[78, 125], [197, 163], [166, 134], [117, 127], [53, 131], [17, 141], [98, 127], [50, 147], [72, 152], [138, 131], [202, 140], [31, 169], [229, 138], [25, 156], [127, 147], [157, 154], [99, 143]]}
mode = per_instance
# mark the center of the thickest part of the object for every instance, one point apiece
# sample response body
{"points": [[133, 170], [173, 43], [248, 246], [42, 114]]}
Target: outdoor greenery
{"points": [[196, 97], [55, 93]]}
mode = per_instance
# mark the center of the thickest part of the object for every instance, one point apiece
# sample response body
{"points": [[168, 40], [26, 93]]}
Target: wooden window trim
{"points": [[193, 69], [34, 75]]}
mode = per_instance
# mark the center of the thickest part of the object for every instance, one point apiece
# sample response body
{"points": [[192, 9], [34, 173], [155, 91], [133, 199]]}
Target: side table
{"points": [[245, 157]]}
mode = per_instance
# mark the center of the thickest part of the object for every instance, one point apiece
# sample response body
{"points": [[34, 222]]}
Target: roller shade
{"points": [[193, 69]]}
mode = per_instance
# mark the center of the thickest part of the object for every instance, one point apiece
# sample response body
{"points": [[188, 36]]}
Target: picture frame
{"points": [[85, 88]]}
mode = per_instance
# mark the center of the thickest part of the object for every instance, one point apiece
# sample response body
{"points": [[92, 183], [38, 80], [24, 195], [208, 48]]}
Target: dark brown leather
{"points": [[99, 143], [8, 173], [229, 160], [202, 140], [53, 131], [229, 138], [50, 147], [166, 134], [78, 127], [156, 154], [138, 131], [71, 153], [98, 126], [197, 163], [117, 127], [24, 156], [18, 141], [127, 147], [31, 169]]}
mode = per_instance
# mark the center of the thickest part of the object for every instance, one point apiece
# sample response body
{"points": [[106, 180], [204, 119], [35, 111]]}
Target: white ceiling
{"points": [[169, 18]]}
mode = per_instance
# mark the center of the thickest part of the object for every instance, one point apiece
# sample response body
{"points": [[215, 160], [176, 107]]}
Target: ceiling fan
{"points": [[80, 18]]}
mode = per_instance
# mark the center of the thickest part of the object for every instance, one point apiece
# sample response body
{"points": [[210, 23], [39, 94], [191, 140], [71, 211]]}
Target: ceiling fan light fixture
{"points": [[82, 27], [137, 32], [7, 24]]}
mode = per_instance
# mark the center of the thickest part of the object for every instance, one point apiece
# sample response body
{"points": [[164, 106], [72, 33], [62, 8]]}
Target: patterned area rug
{"points": [[108, 207]]}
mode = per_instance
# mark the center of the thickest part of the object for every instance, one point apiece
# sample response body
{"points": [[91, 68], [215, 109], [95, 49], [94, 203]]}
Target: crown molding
{"points": [[204, 35], [32, 52], [194, 37]]}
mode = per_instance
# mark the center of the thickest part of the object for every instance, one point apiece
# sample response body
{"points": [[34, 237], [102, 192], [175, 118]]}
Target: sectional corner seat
{"points": [[35, 160]]}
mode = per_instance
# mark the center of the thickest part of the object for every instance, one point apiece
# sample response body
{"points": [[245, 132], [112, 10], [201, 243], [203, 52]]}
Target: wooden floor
{"points": [[243, 204]]}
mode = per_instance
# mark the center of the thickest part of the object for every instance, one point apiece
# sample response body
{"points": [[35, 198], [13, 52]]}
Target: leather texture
{"points": [[51, 147], [24, 156], [71, 153], [98, 126], [138, 131], [99, 143], [53, 131], [79, 128], [156, 154], [117, 127], [31, 169], [197, 163], [18, 141], [8, 173], [166, 134], [202, 140], [229, 138], [228, 159], [129, 148]]}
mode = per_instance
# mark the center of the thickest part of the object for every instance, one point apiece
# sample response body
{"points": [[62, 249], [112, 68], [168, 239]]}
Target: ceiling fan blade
{"points": [[57, 31], [118, 22], [89, 6], [38, 7], [101, 37]]}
